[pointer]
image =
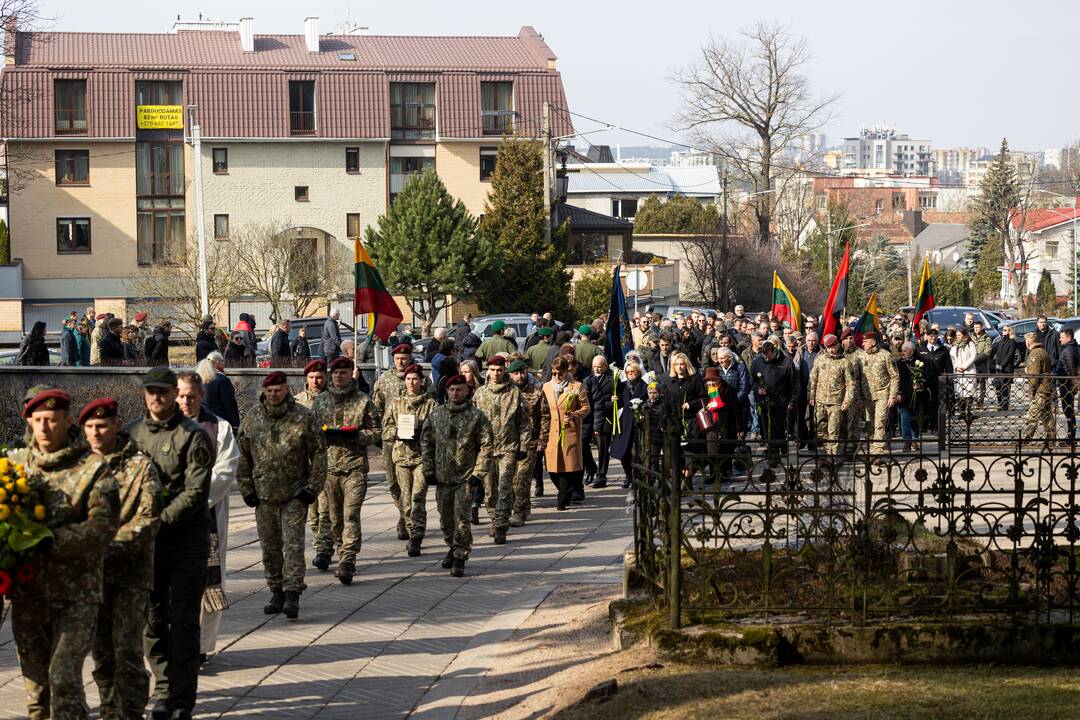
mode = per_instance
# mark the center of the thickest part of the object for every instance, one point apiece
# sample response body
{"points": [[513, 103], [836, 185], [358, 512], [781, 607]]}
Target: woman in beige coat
{"points": [[564, 404]]}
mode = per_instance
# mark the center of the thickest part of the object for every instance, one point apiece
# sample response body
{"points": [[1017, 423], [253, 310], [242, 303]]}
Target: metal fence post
{"points": [[675, 534]]}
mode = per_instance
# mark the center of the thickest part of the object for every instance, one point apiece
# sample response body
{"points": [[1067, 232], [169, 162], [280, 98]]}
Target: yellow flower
{"points": [[15, 500], [39, 512], [325, 427], [22, 486], [5, 465], [9, 486], [5, 512], [3, 495]]}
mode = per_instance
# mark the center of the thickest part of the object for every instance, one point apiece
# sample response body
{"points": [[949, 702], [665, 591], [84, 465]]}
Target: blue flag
{"points": [[618, 340]]}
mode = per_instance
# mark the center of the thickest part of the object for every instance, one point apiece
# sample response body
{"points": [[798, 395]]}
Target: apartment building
{"points": [[881, 151], [316, 133]]}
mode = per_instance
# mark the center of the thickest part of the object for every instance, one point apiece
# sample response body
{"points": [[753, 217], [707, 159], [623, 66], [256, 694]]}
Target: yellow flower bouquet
{"points": [[22, 528]]}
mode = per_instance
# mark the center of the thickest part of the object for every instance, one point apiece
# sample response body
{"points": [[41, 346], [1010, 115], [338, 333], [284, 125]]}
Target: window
{"points": [[159, 189], [300, 192], [412, 111], [73, 235], [302, 107], [72, 167], [69, 99], [497, 107], [159, 92], [487, 163], [404, 169], [221, 161], [1051, 249], [879, 206], [352, 225], [221, 227], [623, 208], [898, 202], [352, 160], [928, 202]]}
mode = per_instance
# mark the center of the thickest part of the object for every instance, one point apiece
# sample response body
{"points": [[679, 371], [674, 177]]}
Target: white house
{"points": [[617, 189]]}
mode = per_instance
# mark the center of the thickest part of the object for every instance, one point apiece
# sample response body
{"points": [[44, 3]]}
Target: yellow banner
{"points": [[159, 117]]}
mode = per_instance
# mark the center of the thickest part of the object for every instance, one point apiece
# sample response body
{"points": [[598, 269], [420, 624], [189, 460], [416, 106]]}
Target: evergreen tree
{"points": [[1045, 295], [427, 247], [680, 214], [995, 207], [986, 276], [592, 293], [531, 272], [5, 245]]}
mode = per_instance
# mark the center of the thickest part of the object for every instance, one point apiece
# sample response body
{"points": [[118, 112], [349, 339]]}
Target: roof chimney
{"points": [[311, 34], [247, 34], [10, 25]]}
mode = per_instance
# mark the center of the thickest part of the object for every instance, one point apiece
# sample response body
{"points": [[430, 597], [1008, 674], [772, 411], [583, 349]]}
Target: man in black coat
{"points": [[1069, 368], [1049, 339], [660, 361], [280, 348], [331, 338], [599, 387], [111, 347], [69, 349], [157, 345], [776, 388], [937, 364], [1007, 357]]}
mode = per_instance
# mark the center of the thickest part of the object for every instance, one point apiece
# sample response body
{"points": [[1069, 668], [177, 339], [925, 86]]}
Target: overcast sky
{"points": [[956, 72]]}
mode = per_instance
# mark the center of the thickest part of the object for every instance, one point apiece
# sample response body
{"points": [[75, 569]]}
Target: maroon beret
{"points": [[100, 316], [846, 334], [47, 400], [402, 349], [871, 335], [104, 407], [139, 317], [275, 378], [829, 340], [315, 366], [496, 360], [456, 380], [341, 363], [414, 369]]}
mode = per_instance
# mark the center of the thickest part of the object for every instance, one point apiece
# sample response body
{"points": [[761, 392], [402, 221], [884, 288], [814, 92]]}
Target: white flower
{"points": [[635, 403]]}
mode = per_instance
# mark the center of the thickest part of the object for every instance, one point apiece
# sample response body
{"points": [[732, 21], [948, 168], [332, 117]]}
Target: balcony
{"points": [[302, 123], [70, 122], [498, 122]]}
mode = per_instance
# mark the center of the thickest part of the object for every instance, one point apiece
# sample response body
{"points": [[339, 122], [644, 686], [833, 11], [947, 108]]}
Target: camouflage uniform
{"points": [[511, 429], [119, 671], [53, 616], [1040, 389], [854, 420], [881, 382], [455, 446], [532, 396], [281, 454], [319, 513], [407, 460], [391, 385], [831, 386], [347, 462]]}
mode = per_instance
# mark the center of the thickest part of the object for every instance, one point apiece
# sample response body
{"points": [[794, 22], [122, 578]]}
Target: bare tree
{"points": [[749, 101], [23, 24], [794, 210]]}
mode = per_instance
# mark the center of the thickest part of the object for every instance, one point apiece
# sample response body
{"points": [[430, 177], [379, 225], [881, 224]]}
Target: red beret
{"points": [[456, 380], [414, 369], [275, 378], [100, 316], [846, 334], [402, 348], [104, 407], [341, 363], [315, 366], [47, 400], [139, 317], [496, 360], [829, 340], [869, 335]]}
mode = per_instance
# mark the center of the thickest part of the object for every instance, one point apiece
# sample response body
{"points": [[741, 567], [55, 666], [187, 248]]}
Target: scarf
{"points": [[213, 599]]}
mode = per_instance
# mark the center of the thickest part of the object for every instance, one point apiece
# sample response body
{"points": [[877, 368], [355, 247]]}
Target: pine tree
{"points": [[1045, 294], [531, 272], [985, 276], [680, 214], [999, 198], [427, 247], [5, 245]]}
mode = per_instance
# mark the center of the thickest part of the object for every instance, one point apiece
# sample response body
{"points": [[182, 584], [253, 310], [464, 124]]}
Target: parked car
{"points": [[953, 316], [314, 327], [518, 321], [8, 357]]}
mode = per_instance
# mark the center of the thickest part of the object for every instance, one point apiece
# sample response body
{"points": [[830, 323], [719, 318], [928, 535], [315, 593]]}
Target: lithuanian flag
{"points": [[926, 297], [785, 307], [371, 295], [868, 321]]}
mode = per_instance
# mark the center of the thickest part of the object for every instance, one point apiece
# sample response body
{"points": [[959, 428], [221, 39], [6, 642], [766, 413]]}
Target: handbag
{"points": [[704, 419]]}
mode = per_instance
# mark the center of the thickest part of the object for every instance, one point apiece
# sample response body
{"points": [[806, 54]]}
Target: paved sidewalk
{"points": [[406, 639]]}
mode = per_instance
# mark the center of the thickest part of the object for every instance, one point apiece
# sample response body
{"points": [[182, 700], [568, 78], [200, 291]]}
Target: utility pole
{"points": [[828, 231], [547, 171], [910, 297], [200, 218]]}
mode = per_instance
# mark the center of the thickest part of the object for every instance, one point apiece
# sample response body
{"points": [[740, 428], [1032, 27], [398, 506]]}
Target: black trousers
{"points": [[603, 447], [171, 639], [774, 420], [566, 483], [1068, 408]]}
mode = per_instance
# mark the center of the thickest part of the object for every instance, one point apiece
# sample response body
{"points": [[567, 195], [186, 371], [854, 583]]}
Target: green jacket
{"points": [[495, 345], [584, 353], [406, 452], [511, 424], [537, 355], [346, 454], [130, 558], [456, 443], [281, 452]]}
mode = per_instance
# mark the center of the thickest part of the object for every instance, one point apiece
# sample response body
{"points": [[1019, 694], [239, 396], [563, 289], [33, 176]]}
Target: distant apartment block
{"points": [[881, 151]]}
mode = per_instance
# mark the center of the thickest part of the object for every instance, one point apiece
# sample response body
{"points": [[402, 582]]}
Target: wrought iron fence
{"points": [[997, 409], [723, 530]]}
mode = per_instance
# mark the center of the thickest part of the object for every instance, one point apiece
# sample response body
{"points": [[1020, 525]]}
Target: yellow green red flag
{"points": [[372, 297], [785, 307]]}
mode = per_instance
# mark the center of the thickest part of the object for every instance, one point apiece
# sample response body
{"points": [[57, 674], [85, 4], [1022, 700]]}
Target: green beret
{"points": [[498, 326], [585, 330], [516, 366], [546, 331]]}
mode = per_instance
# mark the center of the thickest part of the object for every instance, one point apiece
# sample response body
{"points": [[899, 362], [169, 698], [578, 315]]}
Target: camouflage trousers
{"points": [[1041, 412], [414, 497], [322, 538], [281, 534], [453, 502], [523, 477], [52, 640], [828, 419], [119, 670], [876, 412], [499, 487], [391, 478], [854, 422], [345, 495]]}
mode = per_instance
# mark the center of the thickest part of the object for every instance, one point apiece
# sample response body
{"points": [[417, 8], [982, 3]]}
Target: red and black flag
{"points": [[834, 306], [925, 302]]}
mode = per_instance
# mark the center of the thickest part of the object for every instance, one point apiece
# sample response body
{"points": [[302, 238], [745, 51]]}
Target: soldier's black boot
{"points": [[459, 567], [500, 536], [345, 572], [277, 600], [448, 561], [413, 548], [160, 711], [402, 531], [321, 561], [474, 516], [292, 604], [180, 714]]}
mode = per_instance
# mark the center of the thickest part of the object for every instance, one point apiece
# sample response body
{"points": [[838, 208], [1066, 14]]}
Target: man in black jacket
{"points": [[776, 387], [110, 347], [600, 388], [280, 349], [1069, 368], [1007, 357], [69, 350], [331, 338], [157, 345], [935, 357], [1049, 339]]}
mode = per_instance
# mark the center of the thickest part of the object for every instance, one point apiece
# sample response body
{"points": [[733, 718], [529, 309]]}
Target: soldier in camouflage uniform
{"points": [[319, 513], [831, 388], [455, 446], [1040, 389], [119, 670], [881, 388], [532, 396], [347, 417], [854, 420], [406, 452], [501, 401], [282, 470], [53, 615], [391, 385]]}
